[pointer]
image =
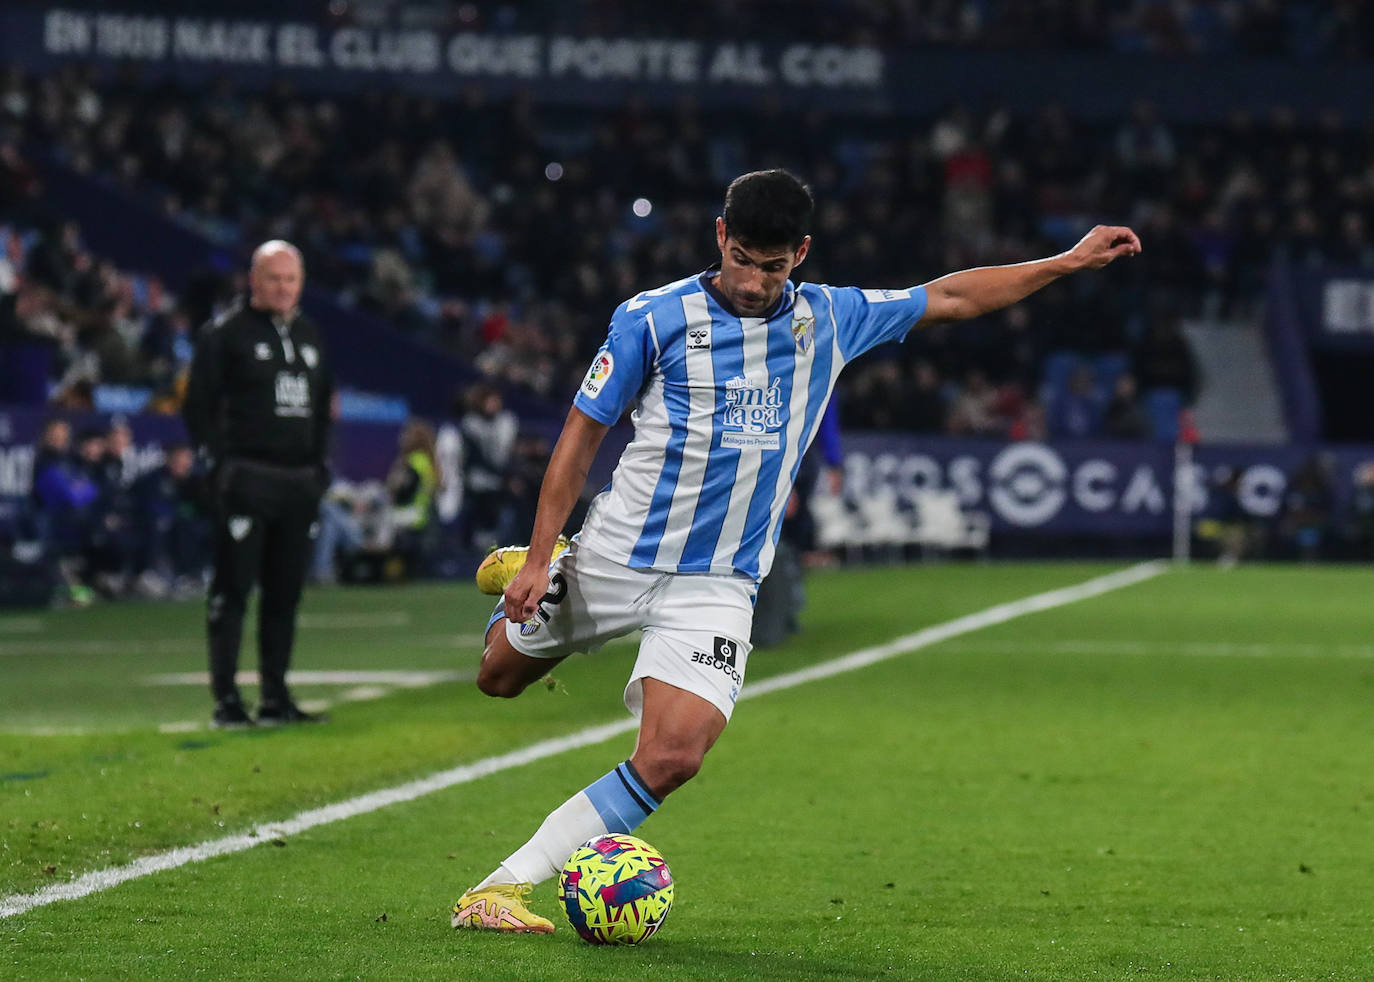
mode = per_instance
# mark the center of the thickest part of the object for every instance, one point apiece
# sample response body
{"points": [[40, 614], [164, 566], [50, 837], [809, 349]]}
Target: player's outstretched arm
{"points": [[567, 472], [974, 292]]}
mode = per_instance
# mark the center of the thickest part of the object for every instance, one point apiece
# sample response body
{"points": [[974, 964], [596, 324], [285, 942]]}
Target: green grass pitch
{"points": [[1168, 781]]}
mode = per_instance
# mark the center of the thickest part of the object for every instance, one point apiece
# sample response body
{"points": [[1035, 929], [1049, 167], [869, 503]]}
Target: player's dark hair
{"points": [[767, 209]]}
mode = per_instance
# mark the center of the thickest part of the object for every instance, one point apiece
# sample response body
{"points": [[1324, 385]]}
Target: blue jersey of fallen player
{"points": [[727, 406]]}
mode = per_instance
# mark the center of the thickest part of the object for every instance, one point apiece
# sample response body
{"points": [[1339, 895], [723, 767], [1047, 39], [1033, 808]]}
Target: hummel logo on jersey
{"points": [[239, 527], [262, 351], [698, 338]]}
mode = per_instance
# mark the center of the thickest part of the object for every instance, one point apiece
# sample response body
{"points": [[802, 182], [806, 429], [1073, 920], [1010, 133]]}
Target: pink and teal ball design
{"points": [[616, 889]]}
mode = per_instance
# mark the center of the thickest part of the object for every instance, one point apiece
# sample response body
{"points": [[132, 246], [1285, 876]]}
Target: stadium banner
{"points": [[352, 56], [1337, 307], [332, 55], [1090, 488]]}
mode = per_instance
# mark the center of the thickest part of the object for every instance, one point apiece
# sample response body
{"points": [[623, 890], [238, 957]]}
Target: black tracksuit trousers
{"points": [[264, 531]]}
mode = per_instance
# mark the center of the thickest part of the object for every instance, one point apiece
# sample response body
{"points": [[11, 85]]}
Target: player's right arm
{"points": [[563, 480], [614, 378]]}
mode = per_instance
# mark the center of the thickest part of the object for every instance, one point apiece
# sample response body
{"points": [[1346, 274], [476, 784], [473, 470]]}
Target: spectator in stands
{"points": [[116, 462], [167, 347], [877, 399], [974, 410], [1164, 359], [1076, 411], [341, 533], [28, 314], [172, 532], [926, 407], [1228, 527], [90, 456], [107, 546], [64, 498], [412, 482], [1305, 524], [488, 431], [1362, 511], [117, 532], [1029, 423], [1123, 418], [1145, 147], [529, 460]]}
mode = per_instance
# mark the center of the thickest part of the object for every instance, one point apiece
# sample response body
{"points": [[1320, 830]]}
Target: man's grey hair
{"points": [[273, 246]]}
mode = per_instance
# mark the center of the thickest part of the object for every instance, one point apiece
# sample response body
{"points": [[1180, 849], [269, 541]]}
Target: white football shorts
{"points": [[696, 626]]}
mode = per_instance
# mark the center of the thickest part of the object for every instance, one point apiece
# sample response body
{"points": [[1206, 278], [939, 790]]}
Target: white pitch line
{"points": [[1195, 649], [962, 625], [105, 879]]}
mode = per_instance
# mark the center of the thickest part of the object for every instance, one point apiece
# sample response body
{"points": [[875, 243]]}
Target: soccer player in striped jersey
{"points": [[728, 372]]}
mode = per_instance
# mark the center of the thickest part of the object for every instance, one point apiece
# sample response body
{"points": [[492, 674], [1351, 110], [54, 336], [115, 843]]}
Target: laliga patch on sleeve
{"points": [[883, 296], [598, 374]]}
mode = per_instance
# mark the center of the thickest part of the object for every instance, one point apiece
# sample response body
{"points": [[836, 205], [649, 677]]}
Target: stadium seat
{"points": [[836, 525], [941, 524], [1161, 409], [1054, 378], [1108, 368], [883, 524]]}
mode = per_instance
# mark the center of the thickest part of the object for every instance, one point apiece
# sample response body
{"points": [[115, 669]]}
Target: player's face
{"points": [[276, 280], [752, 278]]}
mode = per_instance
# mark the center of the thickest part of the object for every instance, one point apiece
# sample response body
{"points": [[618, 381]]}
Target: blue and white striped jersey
{"points": [[727, 406]]}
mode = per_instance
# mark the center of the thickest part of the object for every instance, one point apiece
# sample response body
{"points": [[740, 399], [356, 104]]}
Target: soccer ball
{"points": [[616, 889]]}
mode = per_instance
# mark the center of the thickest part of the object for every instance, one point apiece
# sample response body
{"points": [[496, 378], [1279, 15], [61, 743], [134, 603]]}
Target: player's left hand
{"points": [[1104, 244]]}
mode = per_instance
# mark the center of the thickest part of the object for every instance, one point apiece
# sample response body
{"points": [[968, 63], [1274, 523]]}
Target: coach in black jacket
{"points": [[258, 408]]}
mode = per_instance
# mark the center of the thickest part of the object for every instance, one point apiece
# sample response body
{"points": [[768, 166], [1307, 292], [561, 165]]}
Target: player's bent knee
{"points": [[505, 672], [492, 680]]}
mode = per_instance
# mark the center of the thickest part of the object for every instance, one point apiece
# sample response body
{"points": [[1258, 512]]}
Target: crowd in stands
{"points": [[1303, 28], [77, 331], [109, 529], [504, 232], [507, 233]]}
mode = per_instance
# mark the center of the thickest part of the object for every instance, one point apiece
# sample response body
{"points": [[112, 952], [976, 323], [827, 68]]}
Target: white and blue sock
{"points": [[617, 802], [496, 615]]}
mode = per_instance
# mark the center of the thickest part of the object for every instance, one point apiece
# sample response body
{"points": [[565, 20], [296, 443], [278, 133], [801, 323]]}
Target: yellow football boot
{"points": [[502, 563], [499, 907]]}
